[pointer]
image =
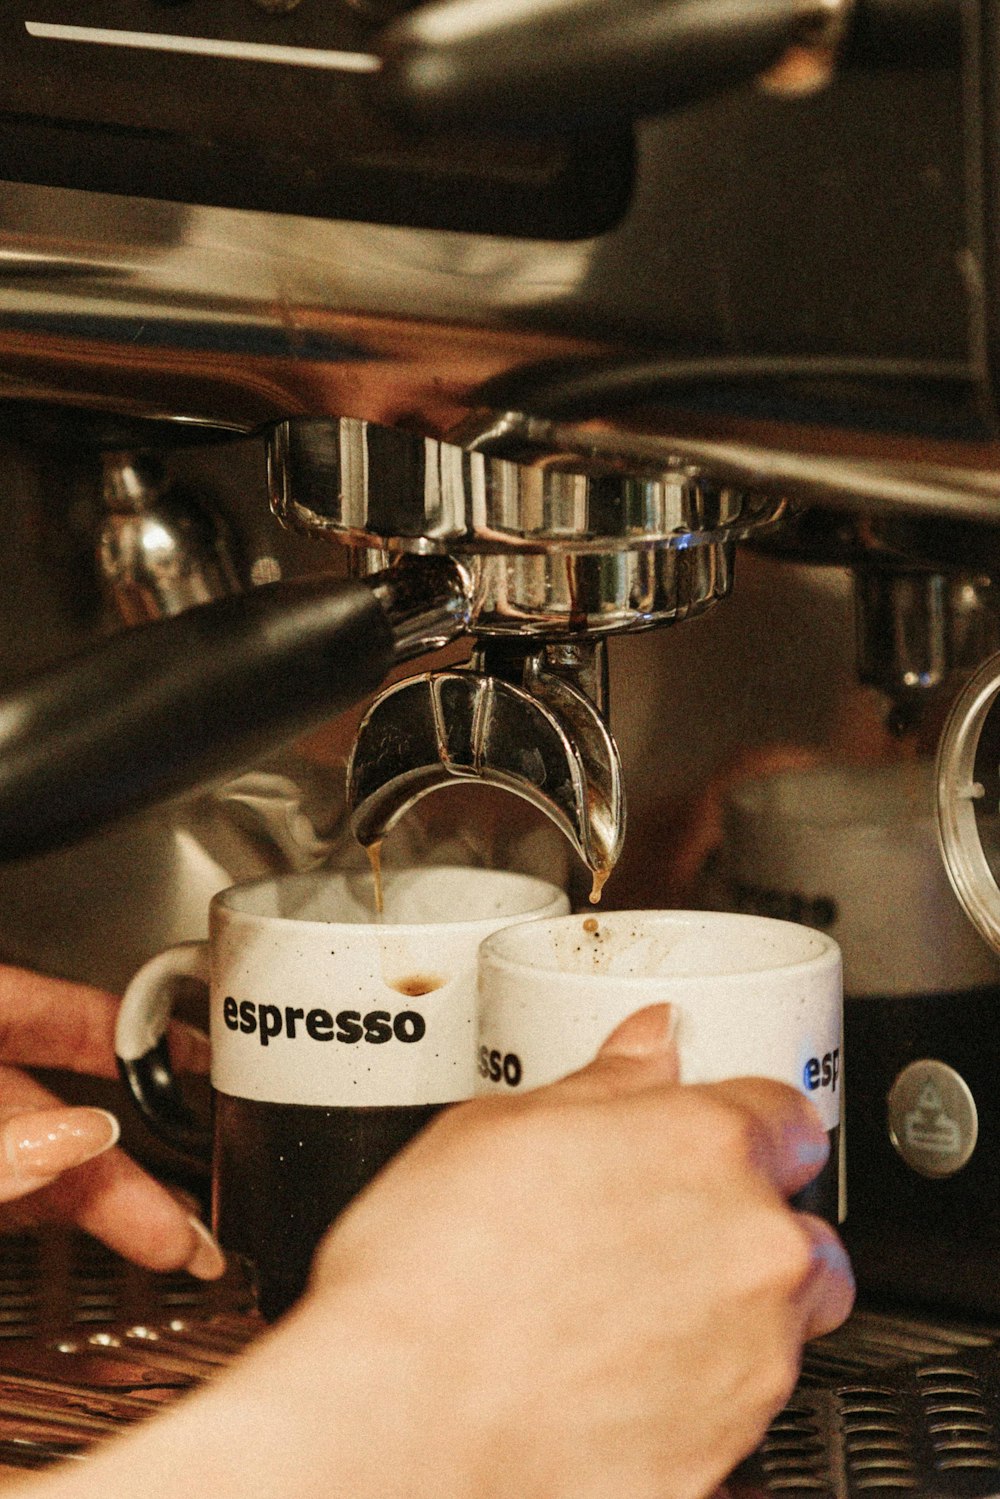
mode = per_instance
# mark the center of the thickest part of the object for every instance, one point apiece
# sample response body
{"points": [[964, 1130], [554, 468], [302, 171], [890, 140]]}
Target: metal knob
{"points": [[160, 550]]}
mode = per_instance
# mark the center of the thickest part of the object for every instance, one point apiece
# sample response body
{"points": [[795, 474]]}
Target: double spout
{"points": [[516, 718], [561, 548]]}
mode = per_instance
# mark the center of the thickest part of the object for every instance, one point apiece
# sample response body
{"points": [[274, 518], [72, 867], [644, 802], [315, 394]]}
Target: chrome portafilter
{"points": [[561, 545], [516, 719], [927, 602]]}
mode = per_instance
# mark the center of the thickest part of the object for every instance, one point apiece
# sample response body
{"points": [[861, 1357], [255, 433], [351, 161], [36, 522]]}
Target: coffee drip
{"points": [[417, 986], [374, 852]]}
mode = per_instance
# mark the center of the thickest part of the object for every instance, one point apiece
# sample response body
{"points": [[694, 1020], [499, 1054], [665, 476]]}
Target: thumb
{"points": [[647, 1036], [640, 1053]]}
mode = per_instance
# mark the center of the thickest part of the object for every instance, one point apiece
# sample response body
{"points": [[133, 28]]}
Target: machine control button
{"points": [[933, 1120]]}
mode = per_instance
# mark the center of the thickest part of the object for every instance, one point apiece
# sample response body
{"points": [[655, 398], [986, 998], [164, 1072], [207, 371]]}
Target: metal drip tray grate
{"points": [[887, 1405], [58, 1279], [90, 1344]]}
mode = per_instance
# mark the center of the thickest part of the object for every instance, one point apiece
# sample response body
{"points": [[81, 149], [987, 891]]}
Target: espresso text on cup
{"points": [[822, 1072], [268, 1022]]}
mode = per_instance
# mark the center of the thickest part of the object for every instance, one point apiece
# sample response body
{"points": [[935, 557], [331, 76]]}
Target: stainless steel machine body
{"points": [[743, 256], [541, 346]]}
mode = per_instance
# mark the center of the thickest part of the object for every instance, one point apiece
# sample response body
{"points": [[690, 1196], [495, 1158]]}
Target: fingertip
{"points": [[184, 1199], [793, 1140], [137, 1217], [39, 1144], [190, 1048], [207, 1261], [832, 1291], [808, 1147], [811, 1149]]}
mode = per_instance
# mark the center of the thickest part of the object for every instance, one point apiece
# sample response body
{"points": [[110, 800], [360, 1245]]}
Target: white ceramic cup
{"points": [[751, 996], [335, 1035]]}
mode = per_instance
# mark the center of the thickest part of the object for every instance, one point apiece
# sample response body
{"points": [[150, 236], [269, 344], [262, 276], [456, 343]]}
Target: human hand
{"points": [[594, 1290], [59, 1163], [598, 1285]]}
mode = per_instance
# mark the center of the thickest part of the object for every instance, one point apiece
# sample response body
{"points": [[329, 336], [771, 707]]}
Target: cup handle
{"points": [[142, 1051]]}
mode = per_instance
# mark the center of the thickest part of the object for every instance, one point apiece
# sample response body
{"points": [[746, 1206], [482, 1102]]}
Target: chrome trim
{"points": [[427, 604], [506, 484], [557, 543], [917, 628], [960, 796], [851, 483], [203, 46], [159, 549]]}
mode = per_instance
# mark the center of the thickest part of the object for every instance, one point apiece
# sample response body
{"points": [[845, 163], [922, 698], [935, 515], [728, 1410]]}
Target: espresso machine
{"points": [[542, 310]]}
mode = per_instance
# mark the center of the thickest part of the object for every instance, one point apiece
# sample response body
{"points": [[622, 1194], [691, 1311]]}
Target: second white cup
{"points": [[752, 997]]}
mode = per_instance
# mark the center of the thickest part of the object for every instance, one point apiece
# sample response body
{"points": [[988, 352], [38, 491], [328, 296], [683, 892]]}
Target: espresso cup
{"points": [[750, 996], [336, 1034]]}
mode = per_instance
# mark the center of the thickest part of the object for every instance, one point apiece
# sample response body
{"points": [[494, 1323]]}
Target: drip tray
{"points": [[890, 1404], [90, 1344]]}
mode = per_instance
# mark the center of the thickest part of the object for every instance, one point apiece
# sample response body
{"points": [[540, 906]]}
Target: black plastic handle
{"points": [[157, 1095], [160, 709], [461, 63]]}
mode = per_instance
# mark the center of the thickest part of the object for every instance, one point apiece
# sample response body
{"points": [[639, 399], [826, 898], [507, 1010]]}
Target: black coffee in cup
{"points": [[283, 1172]]}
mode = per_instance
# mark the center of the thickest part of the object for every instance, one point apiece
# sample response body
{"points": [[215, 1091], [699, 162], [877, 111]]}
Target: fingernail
{"points": [[186, 1200], [46, 1141], [832, 1254], [812, 1150], [207, 1262], [642, 1034]]}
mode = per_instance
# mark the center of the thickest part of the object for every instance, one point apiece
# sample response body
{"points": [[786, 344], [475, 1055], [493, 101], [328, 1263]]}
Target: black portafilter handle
{"points": [[162, 708], [462, 63]]}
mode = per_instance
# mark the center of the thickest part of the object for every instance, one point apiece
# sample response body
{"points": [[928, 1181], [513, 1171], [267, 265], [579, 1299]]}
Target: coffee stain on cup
{"points": [[416, 984]]}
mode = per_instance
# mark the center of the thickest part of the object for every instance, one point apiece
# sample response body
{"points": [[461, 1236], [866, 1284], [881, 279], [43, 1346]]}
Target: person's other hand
{"points": [[699, 835], [599, 1284], [59, 1163]]}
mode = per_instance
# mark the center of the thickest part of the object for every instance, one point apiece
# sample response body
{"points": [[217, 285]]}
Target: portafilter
{"points": [[540, 554]]}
